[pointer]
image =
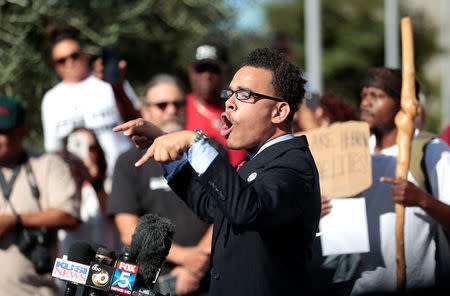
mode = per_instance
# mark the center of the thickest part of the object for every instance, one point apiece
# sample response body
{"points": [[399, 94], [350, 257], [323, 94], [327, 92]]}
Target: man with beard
{"points": [[138, 191], [266, 210], [204, 106], [427, 209]]}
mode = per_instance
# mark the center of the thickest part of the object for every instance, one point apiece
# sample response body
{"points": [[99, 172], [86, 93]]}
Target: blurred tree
{"points": [[153, 36], [353, 41]]}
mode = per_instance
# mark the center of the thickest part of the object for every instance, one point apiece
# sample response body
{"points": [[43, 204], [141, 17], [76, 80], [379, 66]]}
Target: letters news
{"points": [[70, 271]]}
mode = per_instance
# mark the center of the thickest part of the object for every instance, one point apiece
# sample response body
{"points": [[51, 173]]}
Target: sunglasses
{"points": [[163, 105], [62, 61]]}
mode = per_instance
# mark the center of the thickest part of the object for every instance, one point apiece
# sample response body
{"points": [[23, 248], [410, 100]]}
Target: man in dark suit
{"points": [[265, 215]]}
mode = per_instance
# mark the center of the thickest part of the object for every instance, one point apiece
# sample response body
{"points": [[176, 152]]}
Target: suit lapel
{"points": [[253, 166]]}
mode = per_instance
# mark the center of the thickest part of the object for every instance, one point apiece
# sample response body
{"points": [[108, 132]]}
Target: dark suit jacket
{"points": [[265, 218]]}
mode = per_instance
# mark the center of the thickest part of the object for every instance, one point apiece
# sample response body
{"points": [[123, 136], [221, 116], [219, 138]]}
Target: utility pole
{"points": [[313, 46], [391, 34]]}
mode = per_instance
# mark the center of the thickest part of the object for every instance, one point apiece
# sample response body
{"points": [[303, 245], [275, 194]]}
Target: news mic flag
{"points": [[75, 269]]}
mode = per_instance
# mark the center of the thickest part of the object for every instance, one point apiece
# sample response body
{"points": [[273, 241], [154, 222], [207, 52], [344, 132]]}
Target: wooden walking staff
{"points": [[404, 120]]}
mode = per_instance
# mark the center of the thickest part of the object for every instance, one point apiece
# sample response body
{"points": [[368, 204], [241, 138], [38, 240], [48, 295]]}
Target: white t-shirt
{"points": [[89, 104], [422, 233]]}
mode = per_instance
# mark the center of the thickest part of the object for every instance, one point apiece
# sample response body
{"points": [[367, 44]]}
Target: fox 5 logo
{"points": [[100, 277]]}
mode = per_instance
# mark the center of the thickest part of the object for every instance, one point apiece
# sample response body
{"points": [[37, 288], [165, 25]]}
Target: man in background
{"points": [[425, 195], [207, 74], [81, 99], [37, 197], [137, 191]]}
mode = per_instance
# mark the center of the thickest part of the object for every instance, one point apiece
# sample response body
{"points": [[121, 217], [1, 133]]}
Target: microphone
{"points": [[74, 269], [151, 243], [125, 273], [101, 272]]}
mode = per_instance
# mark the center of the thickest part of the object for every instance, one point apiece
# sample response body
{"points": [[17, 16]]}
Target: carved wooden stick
{"points": [[404, 120]]}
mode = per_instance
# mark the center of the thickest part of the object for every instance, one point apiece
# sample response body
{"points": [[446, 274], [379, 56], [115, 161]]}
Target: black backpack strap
{"points": [[32, 181]]}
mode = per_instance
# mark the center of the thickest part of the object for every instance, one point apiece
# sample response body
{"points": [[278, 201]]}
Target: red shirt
{"points": [[208, 119], [445, 136]]}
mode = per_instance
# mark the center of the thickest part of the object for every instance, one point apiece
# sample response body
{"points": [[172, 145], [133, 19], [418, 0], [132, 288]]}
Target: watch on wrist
{"points": [[200, 136]]}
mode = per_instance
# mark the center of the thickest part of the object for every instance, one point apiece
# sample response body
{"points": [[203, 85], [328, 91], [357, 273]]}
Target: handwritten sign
{"points": [[342, 156]]}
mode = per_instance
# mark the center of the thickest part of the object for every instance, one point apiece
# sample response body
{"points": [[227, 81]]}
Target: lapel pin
{"points": [[252, 177]]}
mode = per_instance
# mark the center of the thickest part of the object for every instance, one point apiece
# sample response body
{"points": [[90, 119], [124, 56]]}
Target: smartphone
{"points": [[111, 57], [78, 144]]}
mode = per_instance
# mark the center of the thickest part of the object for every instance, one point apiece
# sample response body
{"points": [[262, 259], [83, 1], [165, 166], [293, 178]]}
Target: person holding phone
{"points": [[81, 99], [88, 165]]}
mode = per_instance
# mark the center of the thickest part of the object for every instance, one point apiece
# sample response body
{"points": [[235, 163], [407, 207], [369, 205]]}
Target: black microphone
{"points": [[151, 243], [125, 273], [101, 272], [81, 252]]}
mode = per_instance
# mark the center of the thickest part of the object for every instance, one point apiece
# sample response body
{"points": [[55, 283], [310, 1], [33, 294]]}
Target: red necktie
{"points": [[241, 164]]}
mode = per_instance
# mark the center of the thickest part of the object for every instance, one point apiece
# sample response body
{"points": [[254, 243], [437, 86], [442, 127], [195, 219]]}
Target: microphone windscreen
{"points": [[95, 246], [151, 242], [81, 252]]}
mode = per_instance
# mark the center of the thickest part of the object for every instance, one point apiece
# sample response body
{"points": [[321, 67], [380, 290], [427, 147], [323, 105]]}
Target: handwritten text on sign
{"points": [[341, 152]]}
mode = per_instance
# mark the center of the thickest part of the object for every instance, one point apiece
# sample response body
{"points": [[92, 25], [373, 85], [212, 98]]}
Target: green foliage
{"points": [[153, 36], [353, 41]]}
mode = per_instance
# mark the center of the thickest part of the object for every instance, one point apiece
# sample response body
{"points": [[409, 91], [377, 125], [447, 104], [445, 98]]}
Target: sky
{"points": [[250, 14]]}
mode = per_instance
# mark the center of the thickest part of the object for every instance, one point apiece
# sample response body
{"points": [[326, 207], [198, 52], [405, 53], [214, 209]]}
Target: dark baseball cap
{"points": [[12, 113], [210, 52]]}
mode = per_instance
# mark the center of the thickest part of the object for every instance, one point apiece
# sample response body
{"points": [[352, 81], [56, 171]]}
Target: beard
{"points": [[173, 124]]}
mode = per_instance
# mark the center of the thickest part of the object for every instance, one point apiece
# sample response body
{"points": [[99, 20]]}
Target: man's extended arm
{"points": [[437, 204], [126, 224], [266, 203], [51, 218], [409, 195]]}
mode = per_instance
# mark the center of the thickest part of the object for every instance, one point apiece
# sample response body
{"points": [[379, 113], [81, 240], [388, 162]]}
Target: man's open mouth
{"points": [[227, 126]]}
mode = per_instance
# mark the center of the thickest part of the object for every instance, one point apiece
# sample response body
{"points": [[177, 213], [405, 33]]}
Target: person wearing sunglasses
{"points": [[87, 162], [207, 73], [266, 210], [80, 99]]}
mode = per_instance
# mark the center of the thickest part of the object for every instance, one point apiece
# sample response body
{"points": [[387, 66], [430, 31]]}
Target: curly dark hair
{"points": [[56, 33], [287, 81], [336, 109]]}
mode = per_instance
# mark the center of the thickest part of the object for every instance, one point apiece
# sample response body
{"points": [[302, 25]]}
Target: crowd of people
{"points": [[223, 164]]}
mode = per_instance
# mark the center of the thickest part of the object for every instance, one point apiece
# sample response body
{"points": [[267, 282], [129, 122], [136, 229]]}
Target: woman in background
{"points": [[88, 164]]}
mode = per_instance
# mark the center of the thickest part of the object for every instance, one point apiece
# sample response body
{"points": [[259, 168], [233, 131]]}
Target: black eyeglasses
{"points": [[62, 61], [244, 95], [163, 105]]}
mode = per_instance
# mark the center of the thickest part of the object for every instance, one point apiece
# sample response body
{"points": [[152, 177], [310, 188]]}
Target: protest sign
{"points": [[342, 155]]}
